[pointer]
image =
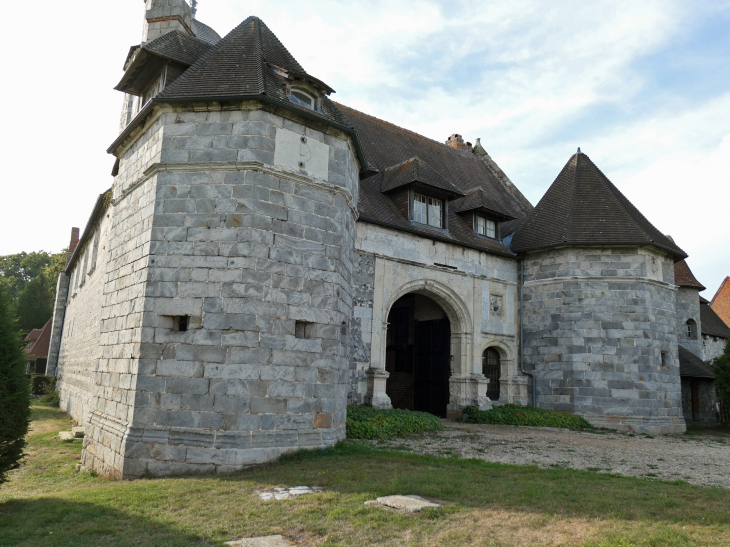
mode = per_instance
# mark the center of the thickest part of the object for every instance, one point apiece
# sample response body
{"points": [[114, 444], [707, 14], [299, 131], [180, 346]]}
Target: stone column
{"points": [[466, 390], [376, 396]]}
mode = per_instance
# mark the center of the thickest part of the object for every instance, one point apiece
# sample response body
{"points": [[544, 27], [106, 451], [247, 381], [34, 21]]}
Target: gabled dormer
{"points": [[481, 214], [420, 193]]}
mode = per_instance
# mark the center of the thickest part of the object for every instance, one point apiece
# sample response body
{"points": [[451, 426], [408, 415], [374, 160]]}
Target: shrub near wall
{"points": [[524, 415], [369, 423]]}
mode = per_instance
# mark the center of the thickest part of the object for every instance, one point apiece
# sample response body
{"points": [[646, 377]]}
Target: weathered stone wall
{"points": [[59, 310], [78, 351], [712, 346], [245, 237], [705, 391], [600, 334], [393, 263], [688, 308]]}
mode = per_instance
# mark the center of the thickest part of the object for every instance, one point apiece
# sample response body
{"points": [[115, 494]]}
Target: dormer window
{"points": [[428, 210], [485, 227], [302, 98]]}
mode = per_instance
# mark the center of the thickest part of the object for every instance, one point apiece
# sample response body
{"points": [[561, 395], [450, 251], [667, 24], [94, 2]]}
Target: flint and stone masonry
{"points": [[600, 336]]}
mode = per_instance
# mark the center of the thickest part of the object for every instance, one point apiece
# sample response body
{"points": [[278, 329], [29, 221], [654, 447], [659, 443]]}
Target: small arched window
{"points": [[302, 98], [491, 368], [691, 329]]}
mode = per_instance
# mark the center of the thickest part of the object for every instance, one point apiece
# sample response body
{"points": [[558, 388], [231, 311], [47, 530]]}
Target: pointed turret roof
{"points": [[583, 207], [684, 277]]}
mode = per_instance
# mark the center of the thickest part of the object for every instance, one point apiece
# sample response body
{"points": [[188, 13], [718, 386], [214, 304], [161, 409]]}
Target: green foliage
{"points": [[18, 269], [721, 367], [368, 423], [40, 384], [524, 415], [14, 392], [35, 303]]}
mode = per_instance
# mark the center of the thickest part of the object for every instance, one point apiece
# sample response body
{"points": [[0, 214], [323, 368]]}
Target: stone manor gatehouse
{"points": [[267, 257]]}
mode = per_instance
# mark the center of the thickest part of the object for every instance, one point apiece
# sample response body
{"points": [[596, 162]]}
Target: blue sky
{"points": [[642, 87]]}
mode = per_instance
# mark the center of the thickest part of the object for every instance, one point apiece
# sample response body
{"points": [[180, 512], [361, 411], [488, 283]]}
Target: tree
{"points": [[721, 367], [19, 269], [35, 304], [14, 392]]}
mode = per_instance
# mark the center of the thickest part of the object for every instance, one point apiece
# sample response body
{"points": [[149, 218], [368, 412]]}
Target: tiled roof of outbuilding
{"points": [[583, 207], [416, 170], [711, 323], [692, 366], [236, 67], [385, 144], [39, 348], [684, 277]]}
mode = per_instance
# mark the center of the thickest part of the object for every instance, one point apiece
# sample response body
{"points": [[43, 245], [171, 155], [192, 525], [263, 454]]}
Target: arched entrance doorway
{"points": [[417, 357]]}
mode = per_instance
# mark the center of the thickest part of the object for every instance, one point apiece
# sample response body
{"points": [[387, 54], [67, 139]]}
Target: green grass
{"points": [[524, 415], [47, 503]]}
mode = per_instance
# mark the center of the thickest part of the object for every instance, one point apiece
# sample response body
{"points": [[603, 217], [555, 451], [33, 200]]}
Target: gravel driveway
{"points": [[701, 458]]}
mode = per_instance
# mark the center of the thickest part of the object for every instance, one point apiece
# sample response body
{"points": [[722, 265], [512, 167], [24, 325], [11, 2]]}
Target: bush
{"points": [[50, 395], [40, 384], [721, 367], [524, 415], [14, 392], [368, 423]]}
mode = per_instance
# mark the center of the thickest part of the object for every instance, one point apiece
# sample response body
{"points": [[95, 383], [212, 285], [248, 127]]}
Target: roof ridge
{"points": [[404, 129], [203, 58]]}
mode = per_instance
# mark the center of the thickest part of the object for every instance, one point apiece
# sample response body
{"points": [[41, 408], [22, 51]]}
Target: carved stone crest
{"points": [[495, 306]]}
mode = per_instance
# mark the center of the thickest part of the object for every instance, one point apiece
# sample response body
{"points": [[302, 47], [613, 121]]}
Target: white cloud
{"points": [[532, 79]]}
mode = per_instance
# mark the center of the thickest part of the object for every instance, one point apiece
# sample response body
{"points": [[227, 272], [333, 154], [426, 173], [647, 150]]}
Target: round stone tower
{"points": [[599, 306]]}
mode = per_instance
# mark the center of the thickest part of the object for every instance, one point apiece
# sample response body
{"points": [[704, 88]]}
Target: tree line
{"points": [[29, 283]]}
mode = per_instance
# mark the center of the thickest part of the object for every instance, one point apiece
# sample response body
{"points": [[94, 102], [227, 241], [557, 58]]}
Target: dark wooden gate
{"points": [[431, 367]]}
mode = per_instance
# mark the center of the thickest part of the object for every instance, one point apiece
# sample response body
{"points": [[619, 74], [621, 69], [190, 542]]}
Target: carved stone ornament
{"points": [[495, 305]]}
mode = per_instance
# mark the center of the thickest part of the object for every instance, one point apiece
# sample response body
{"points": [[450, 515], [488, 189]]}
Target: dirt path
{"points": [[701, 458]]}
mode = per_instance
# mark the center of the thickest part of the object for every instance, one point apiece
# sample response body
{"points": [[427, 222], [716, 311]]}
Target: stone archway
{"points": [[466, 386]]}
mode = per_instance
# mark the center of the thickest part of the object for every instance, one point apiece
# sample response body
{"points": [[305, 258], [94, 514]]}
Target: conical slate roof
{"points": [[684, 277], [242, 66], [583, 207]]}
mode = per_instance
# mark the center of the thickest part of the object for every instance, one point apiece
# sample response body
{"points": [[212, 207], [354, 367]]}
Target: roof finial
{"points": [[194, 7], [578, 147]]}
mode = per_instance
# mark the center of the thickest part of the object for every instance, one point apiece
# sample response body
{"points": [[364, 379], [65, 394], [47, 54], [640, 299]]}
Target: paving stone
{"points": [[66, 435], [412, 504], [265, 541]]}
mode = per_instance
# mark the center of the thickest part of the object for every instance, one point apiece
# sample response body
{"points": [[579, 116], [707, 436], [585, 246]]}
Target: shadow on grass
{"points": [[58, 522]]}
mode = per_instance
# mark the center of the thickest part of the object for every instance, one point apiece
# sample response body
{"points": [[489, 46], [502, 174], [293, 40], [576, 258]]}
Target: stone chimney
{"points": [[163, 16], [456, 141]]}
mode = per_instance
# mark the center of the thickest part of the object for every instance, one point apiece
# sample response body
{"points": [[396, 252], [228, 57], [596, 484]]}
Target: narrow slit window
{"points": [[182, 323], [303, 329]]}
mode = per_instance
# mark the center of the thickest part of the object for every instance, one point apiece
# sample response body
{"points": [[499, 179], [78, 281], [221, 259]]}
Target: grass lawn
{"points": [[47, 503]]}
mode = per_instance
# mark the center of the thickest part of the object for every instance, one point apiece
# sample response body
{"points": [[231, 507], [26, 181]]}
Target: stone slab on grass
{"points": [[287, 493], [411, 504], [66, 435], [267, 541], [78, 431]]}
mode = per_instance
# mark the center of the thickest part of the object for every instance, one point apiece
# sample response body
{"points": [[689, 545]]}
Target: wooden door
{"points": [[431, 367]]}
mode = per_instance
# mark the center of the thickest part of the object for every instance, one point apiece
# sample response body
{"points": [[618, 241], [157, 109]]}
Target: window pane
{"points": [[481, 225], [419, 208], [491, 228], [301, 99], [434, 212]]}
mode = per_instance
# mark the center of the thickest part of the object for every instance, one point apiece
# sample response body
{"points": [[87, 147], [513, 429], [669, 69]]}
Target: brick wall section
{"points": [[245, 252], [688, 307], [597, 321], [721, 302]]}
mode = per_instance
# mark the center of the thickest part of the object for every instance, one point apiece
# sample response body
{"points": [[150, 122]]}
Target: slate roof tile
{"points": [[386, 145], [692, 366], [583, 207], [711, 323], [416, 170], [478, 200], [684, 277]]}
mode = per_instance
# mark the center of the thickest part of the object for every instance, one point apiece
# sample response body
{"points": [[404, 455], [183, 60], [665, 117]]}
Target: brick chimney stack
{"points": [[456, 141], [73, 244]]}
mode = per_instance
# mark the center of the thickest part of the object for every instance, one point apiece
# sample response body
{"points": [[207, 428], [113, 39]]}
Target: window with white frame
{"points": [[428, 211], [302, 98], [485, 227]]}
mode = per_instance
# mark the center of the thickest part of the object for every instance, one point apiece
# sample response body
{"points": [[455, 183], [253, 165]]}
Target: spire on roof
{"points": [[194, 7], [583, 207]]}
